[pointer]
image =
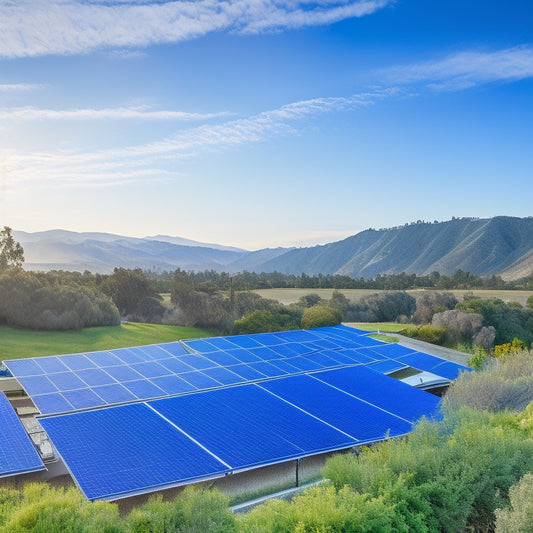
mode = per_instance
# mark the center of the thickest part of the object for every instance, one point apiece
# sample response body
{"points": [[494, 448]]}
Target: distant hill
{"points": [[499, 245]]}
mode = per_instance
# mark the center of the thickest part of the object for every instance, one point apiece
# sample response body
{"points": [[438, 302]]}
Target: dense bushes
{"points": [[38, 302], [320, 316]]}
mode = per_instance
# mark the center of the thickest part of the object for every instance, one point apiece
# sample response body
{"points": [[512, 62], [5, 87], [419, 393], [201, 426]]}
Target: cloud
{"points": [[34, 27], [19, 87], [32, 113], [467, 69], [157, 160]]}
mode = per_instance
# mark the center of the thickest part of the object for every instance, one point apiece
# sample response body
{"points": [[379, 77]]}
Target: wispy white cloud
{"points": [[153, 160], [467, 69], [32, 113], [20, 87], [34, 27]]}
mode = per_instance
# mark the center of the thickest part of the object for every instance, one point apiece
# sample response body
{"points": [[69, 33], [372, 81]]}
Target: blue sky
{"points": [[263, 123]]}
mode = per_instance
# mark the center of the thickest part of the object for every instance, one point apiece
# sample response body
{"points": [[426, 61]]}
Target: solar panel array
{"points": [[87, 380], [131, 449], [17, 453]]}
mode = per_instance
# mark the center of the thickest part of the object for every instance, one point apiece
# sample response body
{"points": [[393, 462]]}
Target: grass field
{"points": [[288, 296], [19, 343]]}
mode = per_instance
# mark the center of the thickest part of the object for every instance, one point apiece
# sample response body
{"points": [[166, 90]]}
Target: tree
{"points": [[129, 289], [11, 251], [320, 316]]}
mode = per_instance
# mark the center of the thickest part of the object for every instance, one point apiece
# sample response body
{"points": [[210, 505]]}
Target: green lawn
{"points": [[19, 343], [374, 326]]}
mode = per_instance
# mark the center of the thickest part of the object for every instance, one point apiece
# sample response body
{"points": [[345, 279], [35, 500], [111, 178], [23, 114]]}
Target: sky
{"points": [[263, 123]]}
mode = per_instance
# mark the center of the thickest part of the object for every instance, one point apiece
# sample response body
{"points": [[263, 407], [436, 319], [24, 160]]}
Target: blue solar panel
{"points": [[197, 361], [17, 453], [357, 418], [285, 366], [37, 385], [265, 353], [246, 426], [223, 375], [303, 363], [174, 348], [172, 384], [143, 389], [200, 380], [103, 359], [422, 361], [151, 369], [387, 366], [66, 381], [94, 377], [247, 372], [392, 350], [154, 352], [51, 364], [222, 343], [176, 365], [449, 370], [82, 399], [123, 373], [385, 392], [126, 450], [128, 356], [245, 341], [77, 361], [114, 393], [24, 367], [200, 345], [285, 350], [243, 355], [51, 403], [267, 369], [222, 358]]}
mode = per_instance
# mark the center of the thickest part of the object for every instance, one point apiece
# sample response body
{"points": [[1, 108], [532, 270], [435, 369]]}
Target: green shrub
{"points": [[320, 316]]}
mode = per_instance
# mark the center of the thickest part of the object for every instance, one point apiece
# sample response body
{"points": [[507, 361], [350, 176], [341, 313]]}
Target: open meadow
{"points": [[288, 296], [20, 343]]}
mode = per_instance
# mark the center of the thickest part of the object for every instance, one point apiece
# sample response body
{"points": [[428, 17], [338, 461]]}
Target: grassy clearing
{"points": [[374, 326], [20, 343], [288, 296]]}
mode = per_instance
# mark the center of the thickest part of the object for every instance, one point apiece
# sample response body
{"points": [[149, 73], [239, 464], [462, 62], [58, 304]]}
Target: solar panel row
{"points": [[81, 381], [129, 449], [17, 453]]}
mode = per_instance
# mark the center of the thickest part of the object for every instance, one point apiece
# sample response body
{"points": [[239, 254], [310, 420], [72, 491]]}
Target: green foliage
{"points": [[192, 511], [425, 333], [11, 251], [518, 518], [267, 321], [504, 383], [320, 316], [529, 302], [383, 307], [133, 293], [33, 301], [508, 321], [41, 509]]}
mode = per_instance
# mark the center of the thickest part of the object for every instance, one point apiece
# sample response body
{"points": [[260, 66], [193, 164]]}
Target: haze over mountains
{"points": [[499, 245]]}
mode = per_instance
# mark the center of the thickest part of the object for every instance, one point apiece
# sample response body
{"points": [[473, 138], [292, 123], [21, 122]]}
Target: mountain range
{"points": [[500, 245]]}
